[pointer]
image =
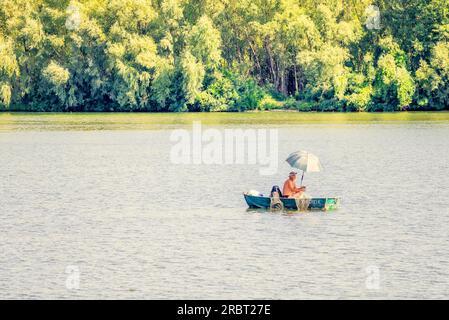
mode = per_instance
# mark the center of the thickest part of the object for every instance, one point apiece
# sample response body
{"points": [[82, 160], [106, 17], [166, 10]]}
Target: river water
{"points": [[95, 207]]}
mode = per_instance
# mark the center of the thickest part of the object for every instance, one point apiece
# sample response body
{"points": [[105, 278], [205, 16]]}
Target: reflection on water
{"points": [[137, 226]]}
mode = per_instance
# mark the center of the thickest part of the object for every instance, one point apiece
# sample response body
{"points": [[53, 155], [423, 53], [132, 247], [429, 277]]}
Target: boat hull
{"points": [[290, 204]]}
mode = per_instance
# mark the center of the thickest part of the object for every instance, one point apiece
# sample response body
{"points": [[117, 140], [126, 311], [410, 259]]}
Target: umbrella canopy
{"points": [[305, 161]]}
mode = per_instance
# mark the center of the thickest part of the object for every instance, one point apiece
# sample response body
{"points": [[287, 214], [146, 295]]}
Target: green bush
{"points": [[302, 105], [330, 105], [305, 106], [269, 103], [250, 94]]}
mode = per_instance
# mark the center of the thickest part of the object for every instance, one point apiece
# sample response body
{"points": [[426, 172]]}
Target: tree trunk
{"points": [[282, 86], [296, 79], [256, 58], [272, 63]]}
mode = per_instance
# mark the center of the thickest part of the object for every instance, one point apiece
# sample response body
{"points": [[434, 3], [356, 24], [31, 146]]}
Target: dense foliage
{"points": [[224, 55]]}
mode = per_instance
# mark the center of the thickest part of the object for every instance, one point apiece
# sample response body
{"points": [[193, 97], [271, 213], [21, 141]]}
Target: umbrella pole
{"points": [[302, 178]]}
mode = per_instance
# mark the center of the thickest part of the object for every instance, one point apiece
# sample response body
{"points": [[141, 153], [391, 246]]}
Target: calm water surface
{"points": [[99, 193]]}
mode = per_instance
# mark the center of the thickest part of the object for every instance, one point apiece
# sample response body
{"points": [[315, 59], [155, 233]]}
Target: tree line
{"points": [[224, 55]]}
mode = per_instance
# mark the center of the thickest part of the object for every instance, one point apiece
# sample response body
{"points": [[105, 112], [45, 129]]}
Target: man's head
{"points": [[292, 175]]}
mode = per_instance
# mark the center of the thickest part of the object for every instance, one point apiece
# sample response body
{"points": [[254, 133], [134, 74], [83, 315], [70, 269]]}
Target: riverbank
{"points": [[11, 121]]}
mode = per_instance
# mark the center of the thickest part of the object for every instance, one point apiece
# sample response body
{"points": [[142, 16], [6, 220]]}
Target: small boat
{"points": [[262, 202], [302, 160]]}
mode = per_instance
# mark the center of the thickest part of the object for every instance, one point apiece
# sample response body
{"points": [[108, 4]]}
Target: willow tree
{"points": [[9, 70], [433, 79]]}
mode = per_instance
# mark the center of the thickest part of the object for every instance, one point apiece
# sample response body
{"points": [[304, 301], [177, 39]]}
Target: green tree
{"points": [[226, 55]]}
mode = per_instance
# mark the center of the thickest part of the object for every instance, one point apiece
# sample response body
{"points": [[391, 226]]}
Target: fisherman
{"points": [[290, 189]]}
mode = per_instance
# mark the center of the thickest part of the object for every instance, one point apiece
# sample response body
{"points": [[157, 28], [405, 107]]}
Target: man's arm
{"points": [[294, 188], [298, 189]]}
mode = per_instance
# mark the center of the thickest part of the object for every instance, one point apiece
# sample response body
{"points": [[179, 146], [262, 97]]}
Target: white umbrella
{"points": [[305, 161]]}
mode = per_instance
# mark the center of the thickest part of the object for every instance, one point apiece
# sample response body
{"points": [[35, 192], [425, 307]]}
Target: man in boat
{"points": [[290, 189]]}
